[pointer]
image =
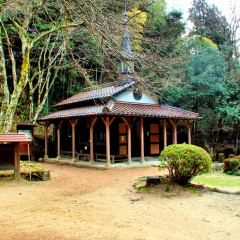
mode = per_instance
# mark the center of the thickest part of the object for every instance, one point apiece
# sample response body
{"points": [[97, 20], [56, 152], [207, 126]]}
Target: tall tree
{"points": [[25, 25], [162, 45], [209, 22], [206, 90]]}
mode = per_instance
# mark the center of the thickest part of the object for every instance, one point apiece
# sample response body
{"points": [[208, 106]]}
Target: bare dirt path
{"points": [[92, 204]]}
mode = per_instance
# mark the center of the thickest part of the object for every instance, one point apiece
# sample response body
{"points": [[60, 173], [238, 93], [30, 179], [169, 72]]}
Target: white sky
{"points": [[223, 5]]}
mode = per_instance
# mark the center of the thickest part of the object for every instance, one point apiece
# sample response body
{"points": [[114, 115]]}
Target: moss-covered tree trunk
{"points": [[4, 93], [15, 96]]}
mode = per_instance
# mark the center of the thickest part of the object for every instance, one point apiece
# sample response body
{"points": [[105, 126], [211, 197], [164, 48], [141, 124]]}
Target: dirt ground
{"points": [[102, 204]]}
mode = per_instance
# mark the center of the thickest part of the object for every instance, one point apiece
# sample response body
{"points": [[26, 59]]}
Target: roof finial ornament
{"points": [[125, 12], [126, 48], [126, 64]]}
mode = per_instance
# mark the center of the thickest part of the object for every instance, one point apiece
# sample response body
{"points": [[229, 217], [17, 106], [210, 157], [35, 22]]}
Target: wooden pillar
{"points": [[187, 123], [73, 123], [142, 159], [174, 123], [17, 161], [164, 133], [175, 134], [108, 122], [59, 139], [107, 142], [129, 145], [93, 121], [46, 140], [189, 134], [127, 122]]}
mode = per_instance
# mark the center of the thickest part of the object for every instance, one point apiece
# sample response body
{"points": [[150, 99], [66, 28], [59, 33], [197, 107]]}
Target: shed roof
{"points": [[14, 138]]}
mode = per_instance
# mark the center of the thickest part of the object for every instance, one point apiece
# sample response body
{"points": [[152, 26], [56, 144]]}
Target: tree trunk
{"points": [[9, 115], [4, 93]]}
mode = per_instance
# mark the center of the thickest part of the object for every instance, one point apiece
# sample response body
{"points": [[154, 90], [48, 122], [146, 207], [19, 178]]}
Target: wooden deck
{"points": [[135, 163]]}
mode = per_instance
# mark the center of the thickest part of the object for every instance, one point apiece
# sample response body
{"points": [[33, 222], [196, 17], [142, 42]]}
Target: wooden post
{"points": [[127, 122], [93, 121], [164, 133], [46, 140], [189, 134], [129, 145], [174, 123], [142, 159], [17, 161], [73, 123], [108, 163], [29, 164], [187, 123], [175, 134], [59, 139], [107, 124]]}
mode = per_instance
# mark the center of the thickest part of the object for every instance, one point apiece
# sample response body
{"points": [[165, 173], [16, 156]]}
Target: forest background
{"points": [[50, 50]]}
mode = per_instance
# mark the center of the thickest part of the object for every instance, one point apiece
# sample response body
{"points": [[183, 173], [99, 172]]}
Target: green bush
{"points": [[237, 173], [229, 172], [184, 162], [234, 163], [221, 157], [227, 167], [231, 165]]}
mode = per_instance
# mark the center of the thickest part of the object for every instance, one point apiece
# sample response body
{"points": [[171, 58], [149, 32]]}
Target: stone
{"points": [[153, 181]]}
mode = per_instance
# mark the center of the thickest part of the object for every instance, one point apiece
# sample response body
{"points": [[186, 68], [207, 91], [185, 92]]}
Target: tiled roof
{"points": [[160, 111], [14, 137], [98, 93], [124, 109], [75, 112]]}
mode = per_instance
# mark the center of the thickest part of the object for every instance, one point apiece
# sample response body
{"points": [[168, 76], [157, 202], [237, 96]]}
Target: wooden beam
{"points": [[142, 159], [112, 120], [73, 122], [103, 120], [127, 122]]}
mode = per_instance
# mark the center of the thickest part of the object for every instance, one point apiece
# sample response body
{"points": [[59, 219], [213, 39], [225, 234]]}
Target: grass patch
{"points": [[169, 195], [218, 179], [36, 171], [193, 190]]}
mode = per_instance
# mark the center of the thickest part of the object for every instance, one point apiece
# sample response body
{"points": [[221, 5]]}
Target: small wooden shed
{"points": [[10, 151]]}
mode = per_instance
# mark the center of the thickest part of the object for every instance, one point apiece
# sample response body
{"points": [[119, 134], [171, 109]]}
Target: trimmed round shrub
{"points": [[237, 173], [184, 162], [227, 167], [221, 157], [231, 164], [234, 163]]}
